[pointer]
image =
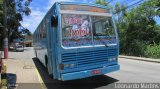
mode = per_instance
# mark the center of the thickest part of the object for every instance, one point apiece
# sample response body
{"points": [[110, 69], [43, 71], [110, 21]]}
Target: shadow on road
{"points": [[87, 83]]}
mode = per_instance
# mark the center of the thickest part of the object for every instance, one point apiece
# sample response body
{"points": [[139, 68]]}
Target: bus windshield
{"points": [[103, 30], [84, 30]]}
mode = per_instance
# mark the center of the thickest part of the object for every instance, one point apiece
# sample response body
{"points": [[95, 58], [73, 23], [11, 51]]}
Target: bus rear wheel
{"points": [[35, 53], [46, 62]]}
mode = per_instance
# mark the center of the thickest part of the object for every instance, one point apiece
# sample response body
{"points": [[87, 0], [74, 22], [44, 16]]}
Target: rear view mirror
{"points": [[54, 21]]}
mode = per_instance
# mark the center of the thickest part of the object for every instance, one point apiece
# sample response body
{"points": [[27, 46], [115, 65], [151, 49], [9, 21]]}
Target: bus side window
{"points": [[54, 21]]}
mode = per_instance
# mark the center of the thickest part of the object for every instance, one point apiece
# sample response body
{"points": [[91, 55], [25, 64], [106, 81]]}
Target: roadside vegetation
{"points": [[16, 9], [138, 28]]}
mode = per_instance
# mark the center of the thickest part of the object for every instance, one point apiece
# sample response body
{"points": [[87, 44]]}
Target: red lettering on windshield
{"points": [[79, 32]]}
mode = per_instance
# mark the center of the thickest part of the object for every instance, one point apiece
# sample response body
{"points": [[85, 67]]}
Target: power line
{"points": [[134, 4], [129, 6]]}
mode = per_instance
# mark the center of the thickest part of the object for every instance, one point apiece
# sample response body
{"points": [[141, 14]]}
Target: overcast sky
{"points": [[40, 7]]}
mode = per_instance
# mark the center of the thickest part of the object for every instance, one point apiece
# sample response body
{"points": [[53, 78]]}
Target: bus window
{"points": [[76, 30], [54, 21], [103, 30]]}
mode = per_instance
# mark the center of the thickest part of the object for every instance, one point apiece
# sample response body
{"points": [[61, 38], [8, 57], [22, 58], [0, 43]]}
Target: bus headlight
{"points": [[66, 65], [112, 59], [69, 65], [72, 65]]}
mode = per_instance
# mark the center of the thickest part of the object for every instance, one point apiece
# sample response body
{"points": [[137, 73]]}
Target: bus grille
{"points": [[89, 58]]}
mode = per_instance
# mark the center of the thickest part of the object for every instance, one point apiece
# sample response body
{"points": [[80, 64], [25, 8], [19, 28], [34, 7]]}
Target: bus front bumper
{"points": [[89, 73]]}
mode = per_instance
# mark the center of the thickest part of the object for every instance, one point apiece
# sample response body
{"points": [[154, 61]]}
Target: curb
{"points": [[140, 58]]}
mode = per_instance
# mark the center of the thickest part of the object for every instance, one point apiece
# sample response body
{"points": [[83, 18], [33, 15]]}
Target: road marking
{"points": [[40, 80]]}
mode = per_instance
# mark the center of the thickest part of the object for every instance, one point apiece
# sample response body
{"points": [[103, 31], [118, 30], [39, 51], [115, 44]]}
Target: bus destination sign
{"points": [[83, 8]]}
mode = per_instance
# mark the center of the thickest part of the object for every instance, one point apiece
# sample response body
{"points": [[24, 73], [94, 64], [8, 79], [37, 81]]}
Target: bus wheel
{"points": [[35, 53], [46, 61]]}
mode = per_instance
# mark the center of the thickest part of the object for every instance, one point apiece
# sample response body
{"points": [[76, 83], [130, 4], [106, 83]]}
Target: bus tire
{"points": [[46, 62], [35, 53]]}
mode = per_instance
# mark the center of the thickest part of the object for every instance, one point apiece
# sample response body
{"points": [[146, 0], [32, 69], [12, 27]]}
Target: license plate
{"points": [[96, 72]]}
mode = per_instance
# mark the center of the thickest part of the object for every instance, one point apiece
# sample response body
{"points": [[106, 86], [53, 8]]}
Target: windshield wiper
{"points": [[97, 37]]}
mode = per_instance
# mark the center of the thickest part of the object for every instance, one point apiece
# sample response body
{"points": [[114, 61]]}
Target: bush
{"points": [[153, 51], [134, 48]]}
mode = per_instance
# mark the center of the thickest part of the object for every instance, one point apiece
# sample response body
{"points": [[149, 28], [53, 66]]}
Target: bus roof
{"points": [[88, 4]]}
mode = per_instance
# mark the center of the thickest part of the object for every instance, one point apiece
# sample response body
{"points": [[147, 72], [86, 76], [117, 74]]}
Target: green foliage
{"points": [[1, 29], [101, 2], [137, 29], [16, 9], [1, 12], [136, 48], [153, 51]]}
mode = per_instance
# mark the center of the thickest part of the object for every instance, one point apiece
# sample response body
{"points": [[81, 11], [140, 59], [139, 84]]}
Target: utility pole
{"points": [[5, 39]]}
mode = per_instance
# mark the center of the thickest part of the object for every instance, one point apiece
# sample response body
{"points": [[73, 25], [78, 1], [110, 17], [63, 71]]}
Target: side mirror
{"points": [[54, 21]]}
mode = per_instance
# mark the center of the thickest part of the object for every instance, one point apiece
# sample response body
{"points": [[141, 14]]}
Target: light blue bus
{"points": [[77, 40]]}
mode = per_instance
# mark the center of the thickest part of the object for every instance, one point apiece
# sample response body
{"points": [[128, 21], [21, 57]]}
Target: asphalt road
{"points": [[132, 71]]}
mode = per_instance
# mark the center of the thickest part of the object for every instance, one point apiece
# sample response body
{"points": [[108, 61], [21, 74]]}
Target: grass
{"points": [[153, 51]]}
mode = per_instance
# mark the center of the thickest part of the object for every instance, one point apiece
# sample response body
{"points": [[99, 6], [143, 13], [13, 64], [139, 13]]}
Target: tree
{"points": [[1, 26], [138, 28], [1, 12], [16, 9], [101, 2]]}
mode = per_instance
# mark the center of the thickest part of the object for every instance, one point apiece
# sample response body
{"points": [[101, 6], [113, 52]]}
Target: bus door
{"points": [[53, 45]]}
